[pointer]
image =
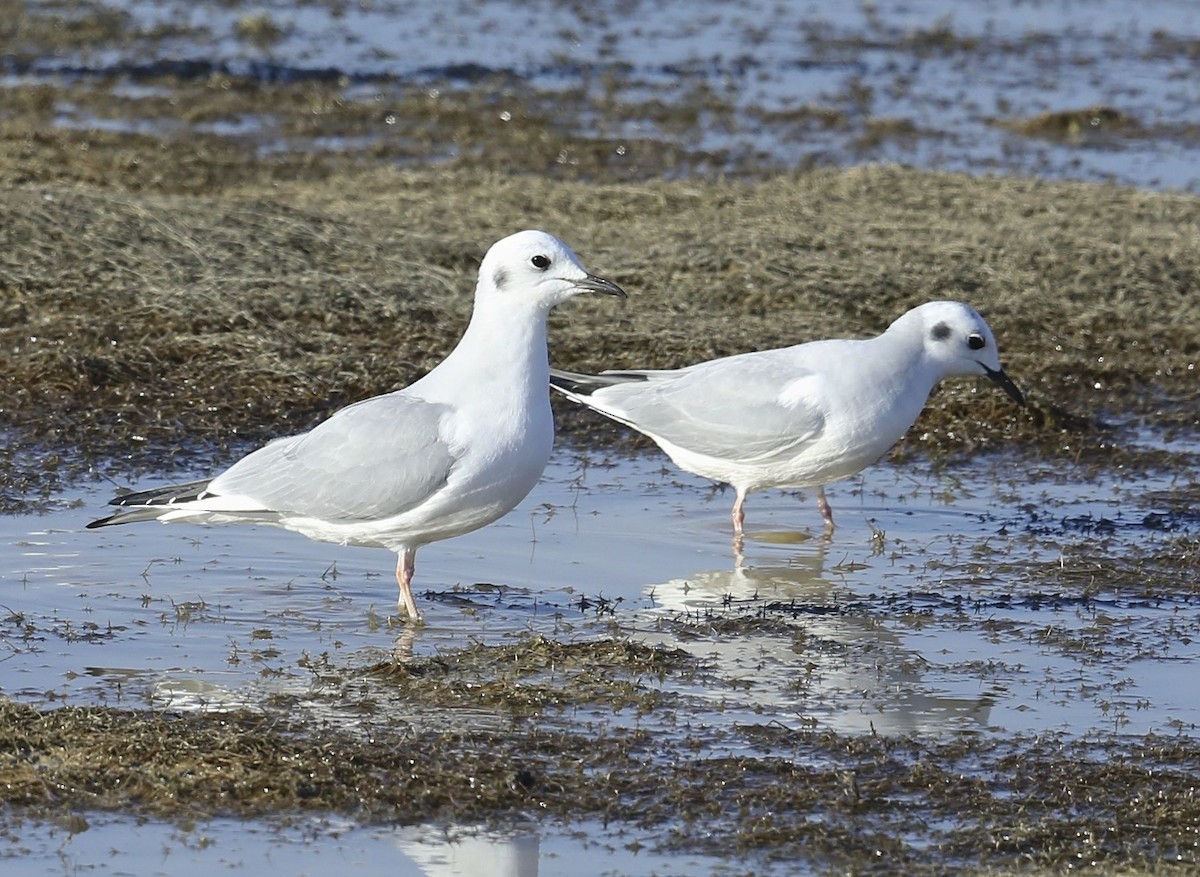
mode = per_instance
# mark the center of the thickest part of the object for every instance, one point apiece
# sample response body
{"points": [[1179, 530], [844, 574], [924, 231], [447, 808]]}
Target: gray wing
{"points": [[728, 408], [374, 459]]}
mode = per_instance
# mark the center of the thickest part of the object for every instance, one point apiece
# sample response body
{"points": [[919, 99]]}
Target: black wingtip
{"points": [[169, 495], [569, 382]]}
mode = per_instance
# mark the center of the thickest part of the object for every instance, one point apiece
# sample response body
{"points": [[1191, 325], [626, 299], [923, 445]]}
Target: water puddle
{"points": [[989, 598], [923, 611], [152, 848]]}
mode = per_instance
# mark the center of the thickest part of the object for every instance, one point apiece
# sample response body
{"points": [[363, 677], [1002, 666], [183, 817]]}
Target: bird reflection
{"points": [[470, 852], [792, 636], [402, 648]]}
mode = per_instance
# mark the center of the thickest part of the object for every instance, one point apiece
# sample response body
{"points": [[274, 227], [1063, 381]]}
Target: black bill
{"points": [[592, 283], [1000, 379]]}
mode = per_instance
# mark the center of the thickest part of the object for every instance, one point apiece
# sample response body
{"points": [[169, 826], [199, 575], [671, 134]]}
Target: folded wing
{"points": [[750, 408], [378, 458]]}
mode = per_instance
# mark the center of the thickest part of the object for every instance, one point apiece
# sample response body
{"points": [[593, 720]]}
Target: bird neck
{"points": [[502, 352], [907, 376]]}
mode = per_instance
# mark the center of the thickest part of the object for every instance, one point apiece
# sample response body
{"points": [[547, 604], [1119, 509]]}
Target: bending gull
{"points": [[448, 454], [799, 416]]}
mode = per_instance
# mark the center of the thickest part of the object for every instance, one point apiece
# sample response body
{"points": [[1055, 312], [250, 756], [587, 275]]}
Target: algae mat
{"points": [[163, 332], [159, 316], [135, 320]]}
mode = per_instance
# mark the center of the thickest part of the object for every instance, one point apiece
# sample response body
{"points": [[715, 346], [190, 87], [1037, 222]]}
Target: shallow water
{"points": [[928, 83], [922, 614], [153, 848], [887, 617]]}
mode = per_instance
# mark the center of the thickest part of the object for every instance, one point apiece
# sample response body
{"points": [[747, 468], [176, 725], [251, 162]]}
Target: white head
{"points": [[958, 341], [538, 270]]}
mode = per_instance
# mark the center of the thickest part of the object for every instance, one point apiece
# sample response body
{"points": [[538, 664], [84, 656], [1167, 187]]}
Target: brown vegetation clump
{"points": [[781, 793], [154, 324]]}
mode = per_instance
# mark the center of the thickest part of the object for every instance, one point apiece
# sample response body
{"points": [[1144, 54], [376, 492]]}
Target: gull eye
{"points": [[976, 342], [540, 262]]}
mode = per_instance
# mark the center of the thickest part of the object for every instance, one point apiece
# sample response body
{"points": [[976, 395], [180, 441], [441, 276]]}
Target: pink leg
{"points": [[739, 519], [823, 505], [739, 512], [405, 565]]}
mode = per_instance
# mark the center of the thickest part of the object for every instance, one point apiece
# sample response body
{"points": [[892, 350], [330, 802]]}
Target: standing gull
{"points": [[799, 416], [444, 456]]}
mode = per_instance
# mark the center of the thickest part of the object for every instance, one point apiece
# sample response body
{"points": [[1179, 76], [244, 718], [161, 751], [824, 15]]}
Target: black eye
{"points": [[975, 342], [540, 262]]}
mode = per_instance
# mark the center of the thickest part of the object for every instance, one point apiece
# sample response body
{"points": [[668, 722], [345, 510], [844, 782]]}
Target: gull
{"points": [[800, 416], [446, 455]]}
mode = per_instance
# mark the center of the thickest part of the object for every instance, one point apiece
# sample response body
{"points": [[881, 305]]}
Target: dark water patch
{"points": [[265, 72]]}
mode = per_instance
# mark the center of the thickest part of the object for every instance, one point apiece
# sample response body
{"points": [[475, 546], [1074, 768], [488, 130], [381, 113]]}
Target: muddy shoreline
{"points": [[171, 297], [147, 331]]}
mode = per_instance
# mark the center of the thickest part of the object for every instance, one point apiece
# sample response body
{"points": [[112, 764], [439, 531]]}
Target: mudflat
{"points": [[168, 301]]}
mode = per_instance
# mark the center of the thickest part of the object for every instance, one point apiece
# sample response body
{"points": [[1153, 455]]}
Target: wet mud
{"points": [[197, 257]]}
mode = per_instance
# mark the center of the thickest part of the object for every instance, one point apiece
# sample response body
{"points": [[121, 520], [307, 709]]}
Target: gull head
{"points": [[958, 340], [537, 270]]}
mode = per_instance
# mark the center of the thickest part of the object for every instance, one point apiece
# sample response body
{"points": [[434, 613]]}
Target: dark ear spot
{"points": [[940, 332], [976, 342], [500, 278]]}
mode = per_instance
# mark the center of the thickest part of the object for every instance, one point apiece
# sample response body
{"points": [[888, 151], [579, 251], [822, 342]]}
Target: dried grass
{"points": [[188, 320]]}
